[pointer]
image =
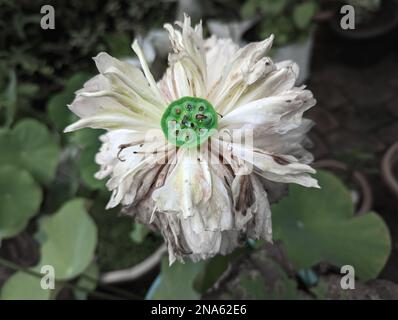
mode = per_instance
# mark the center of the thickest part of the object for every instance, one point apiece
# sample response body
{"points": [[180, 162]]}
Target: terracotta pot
{"points": [[389, 168], [365, 200]]}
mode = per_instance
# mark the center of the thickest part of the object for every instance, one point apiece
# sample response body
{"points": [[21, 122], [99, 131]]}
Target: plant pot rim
{"points": [[387, 166], [358, 177]]}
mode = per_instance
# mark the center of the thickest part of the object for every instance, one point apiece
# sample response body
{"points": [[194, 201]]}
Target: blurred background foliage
{"points": [[52, 208], [289, 20]]}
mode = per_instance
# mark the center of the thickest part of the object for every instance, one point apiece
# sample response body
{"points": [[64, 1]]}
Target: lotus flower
{"points": [[168, 164]]}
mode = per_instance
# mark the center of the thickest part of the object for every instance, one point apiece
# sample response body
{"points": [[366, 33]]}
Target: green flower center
{"points": [[189, 121]]}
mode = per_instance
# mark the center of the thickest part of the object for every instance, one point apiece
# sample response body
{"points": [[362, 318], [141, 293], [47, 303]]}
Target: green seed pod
{"points": [[188, 122]]}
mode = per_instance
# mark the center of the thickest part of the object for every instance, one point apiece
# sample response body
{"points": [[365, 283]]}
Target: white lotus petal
{"points": [[248, 65], [279, 113], [147, 72], [130, 75], [108, 121], [188, 185], [188, 47], [274, 83], [219, 53]]}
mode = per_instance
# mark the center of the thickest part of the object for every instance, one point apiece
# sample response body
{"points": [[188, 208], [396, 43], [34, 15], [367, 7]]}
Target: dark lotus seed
{"points": [[201, 108], [200, 116], [178, 111], [189, 106]]}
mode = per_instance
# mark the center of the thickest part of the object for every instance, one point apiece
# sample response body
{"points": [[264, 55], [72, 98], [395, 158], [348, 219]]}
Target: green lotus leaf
{"points": [[20, 199], [69, 241], [319, 225], [29, 145], [177, 281], [22, 286]]}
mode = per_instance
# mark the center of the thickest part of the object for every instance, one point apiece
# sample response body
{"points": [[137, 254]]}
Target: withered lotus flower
{"points": [[168, 164]]}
